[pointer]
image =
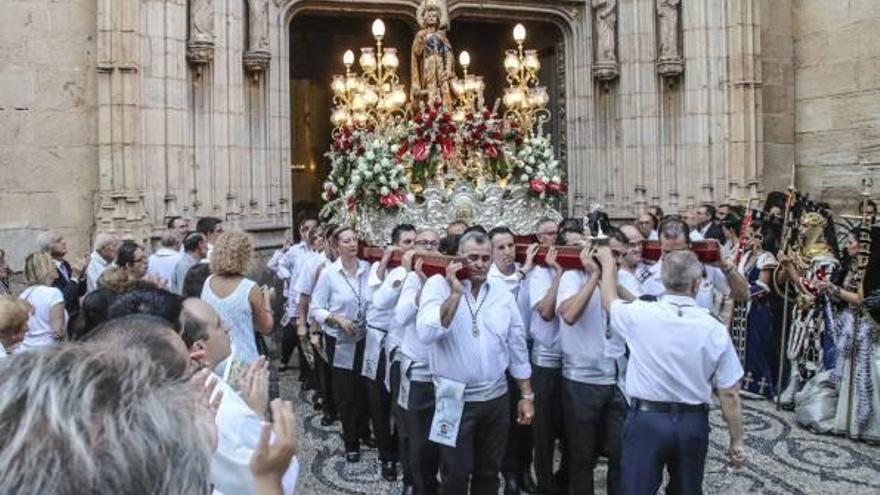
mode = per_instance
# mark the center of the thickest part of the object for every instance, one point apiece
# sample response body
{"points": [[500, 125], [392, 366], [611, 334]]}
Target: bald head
{"points": [[203, 331], [631, 233]]}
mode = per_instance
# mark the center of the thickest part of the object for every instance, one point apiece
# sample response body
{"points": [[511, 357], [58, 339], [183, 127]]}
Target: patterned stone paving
{"points": [[784, 458]]}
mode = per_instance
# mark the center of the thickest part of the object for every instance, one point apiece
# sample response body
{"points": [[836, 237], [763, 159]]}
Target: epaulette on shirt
{"points": [[648, 298]]}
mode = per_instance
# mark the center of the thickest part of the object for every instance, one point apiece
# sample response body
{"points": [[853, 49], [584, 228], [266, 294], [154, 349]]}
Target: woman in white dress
{"points": [[239, 301], [48, 322]]}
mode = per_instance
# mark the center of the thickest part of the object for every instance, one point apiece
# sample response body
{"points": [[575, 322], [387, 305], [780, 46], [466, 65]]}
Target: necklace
{"points": [[474, 328], [357, 296]]}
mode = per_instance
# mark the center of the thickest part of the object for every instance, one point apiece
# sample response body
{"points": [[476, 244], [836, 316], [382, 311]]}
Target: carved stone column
{"points": [[200, 45], [669, 59], [605, 64], [120, 197], [258, 55]]}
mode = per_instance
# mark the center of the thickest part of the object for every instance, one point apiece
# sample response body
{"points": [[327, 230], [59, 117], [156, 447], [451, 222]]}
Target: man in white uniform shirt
{"points": [[679, 355], [505, 270], [475, 335], [592, 404], [412, 387], [722, 277], [626, 243], [382, 343], [162, 263]]}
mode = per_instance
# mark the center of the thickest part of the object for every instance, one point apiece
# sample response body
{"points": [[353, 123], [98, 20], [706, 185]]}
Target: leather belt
{"points": [[668, 407]]}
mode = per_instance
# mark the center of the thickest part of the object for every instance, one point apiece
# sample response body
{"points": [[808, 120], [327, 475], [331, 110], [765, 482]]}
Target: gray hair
{"points": [[82, 420], [679, 269], [169, 239], [475, 236], [46, 238], [104, 239], [673, 228]]}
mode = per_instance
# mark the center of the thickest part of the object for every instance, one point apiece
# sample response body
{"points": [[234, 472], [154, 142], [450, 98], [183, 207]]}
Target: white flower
{"points": [[395, 148], [369, 155], [384, 191], [392, 184], [382, 179], [335, 189], [524, 178], [556, 179], [530, 170]]}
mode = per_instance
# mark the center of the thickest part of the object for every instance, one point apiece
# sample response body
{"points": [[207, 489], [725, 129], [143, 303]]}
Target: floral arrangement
{"points": [[482, 135], [378, 176], [347, 145], [430, 140], [536, 167]]}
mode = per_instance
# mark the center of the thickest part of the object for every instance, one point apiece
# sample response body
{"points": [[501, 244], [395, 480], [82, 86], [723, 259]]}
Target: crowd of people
{"points": [[464, 380]]}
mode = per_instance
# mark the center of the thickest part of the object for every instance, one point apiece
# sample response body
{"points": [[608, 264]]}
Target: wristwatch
{"points": [[529, 397]]}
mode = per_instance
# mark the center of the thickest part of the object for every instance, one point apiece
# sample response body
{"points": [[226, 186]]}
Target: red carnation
{"points": [[537, 185], [351, 203], [388, 201], [492, 152], [448, 147], [420, 151]]}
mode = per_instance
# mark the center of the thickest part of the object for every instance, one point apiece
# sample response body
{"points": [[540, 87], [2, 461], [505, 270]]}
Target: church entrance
{"points": [[318, 41]]}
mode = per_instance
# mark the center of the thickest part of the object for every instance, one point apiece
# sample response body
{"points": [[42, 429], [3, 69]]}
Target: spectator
{"points": [[83, 419], [147, 335], [148, 300], [194, 281], [656, 211], [114, 279], [4, 274], [93, 312], [14, 314], [211, 228], [707, 223], [106, 246], [49, 319], [180, 226], [195, 249], [133, 260], [68, 276], [647, 225], [239, 301], [238, 419], [162, 263]]}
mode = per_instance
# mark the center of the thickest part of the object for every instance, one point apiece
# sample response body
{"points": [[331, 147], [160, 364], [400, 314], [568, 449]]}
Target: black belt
{"points": [[668, 407]]}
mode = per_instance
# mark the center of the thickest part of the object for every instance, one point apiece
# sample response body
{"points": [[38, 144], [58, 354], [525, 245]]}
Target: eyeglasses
{"points": [[553, 232], [427, 243]]}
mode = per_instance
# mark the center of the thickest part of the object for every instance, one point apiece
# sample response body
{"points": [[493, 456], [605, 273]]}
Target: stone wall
{"points": [[837, 91], [48, 137]]}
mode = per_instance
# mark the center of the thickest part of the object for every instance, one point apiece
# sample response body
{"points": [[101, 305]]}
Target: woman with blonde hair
{"points": [[14, 314], [239, 301], [48, 321]]}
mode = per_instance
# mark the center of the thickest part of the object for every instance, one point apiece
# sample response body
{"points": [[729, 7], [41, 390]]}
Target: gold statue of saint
{"points": [[433, 66]]}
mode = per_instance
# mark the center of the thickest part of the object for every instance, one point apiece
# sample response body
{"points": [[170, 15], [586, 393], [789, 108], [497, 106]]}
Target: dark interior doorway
{"points": [[317, 44]]}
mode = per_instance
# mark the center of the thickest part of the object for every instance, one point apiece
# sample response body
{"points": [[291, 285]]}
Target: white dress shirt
{"points": [[547, 348], [678, 351], [713, 280], [405, 312], [456, 353], [308, 276], [386, 292], [239, 429], [584, 343], [288, 269], [515, 284], [162, 263], [97, 265], [341, 294]]}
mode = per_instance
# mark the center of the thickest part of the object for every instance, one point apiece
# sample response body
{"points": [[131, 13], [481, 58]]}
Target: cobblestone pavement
{"points": [[784, 459]]}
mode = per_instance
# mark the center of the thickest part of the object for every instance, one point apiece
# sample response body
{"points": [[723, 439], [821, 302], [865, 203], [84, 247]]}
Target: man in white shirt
{"points": [[626, 243], [162, 263], [381, 344], [241, 414], [475, 335], [679, 355], [504, 269], [593, 406], [722, 276], [106, 245], [411, 382]]}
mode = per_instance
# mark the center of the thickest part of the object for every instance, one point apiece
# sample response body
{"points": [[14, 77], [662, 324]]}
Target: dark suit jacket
{"points": [[71, 289]]}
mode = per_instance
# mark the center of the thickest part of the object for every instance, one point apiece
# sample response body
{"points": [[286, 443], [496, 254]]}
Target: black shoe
{"points": [[407, 490], [317, 404], [511, 485], [353, 456], [328, 419], [527, 482], [389, 470], [369, 442]]}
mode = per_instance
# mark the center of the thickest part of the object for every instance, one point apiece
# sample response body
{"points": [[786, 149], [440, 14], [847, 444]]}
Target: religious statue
{"points": [[605, 65], [257, 56], [433, 66], [200, 46], [258, 25], [669, 61]]}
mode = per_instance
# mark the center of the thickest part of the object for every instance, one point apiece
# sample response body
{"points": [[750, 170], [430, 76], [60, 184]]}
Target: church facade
{"points": [[116, 115]]}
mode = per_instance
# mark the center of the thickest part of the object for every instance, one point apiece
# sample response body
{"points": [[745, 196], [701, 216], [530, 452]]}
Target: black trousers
{"points": [[324, 379], [424, 455], [594, 417], [397, 413], [290, 342], [379, 401], [518, 456], [350, 392], [676, 441], [547, 427], [476, 459]]}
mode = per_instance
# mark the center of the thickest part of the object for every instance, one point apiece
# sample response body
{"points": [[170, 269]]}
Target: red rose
{"points": [[420, 151], [403, 148], [554, 187], [418, 119], [537, 186], [388, 201], [447, 147], [492, 152]]}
